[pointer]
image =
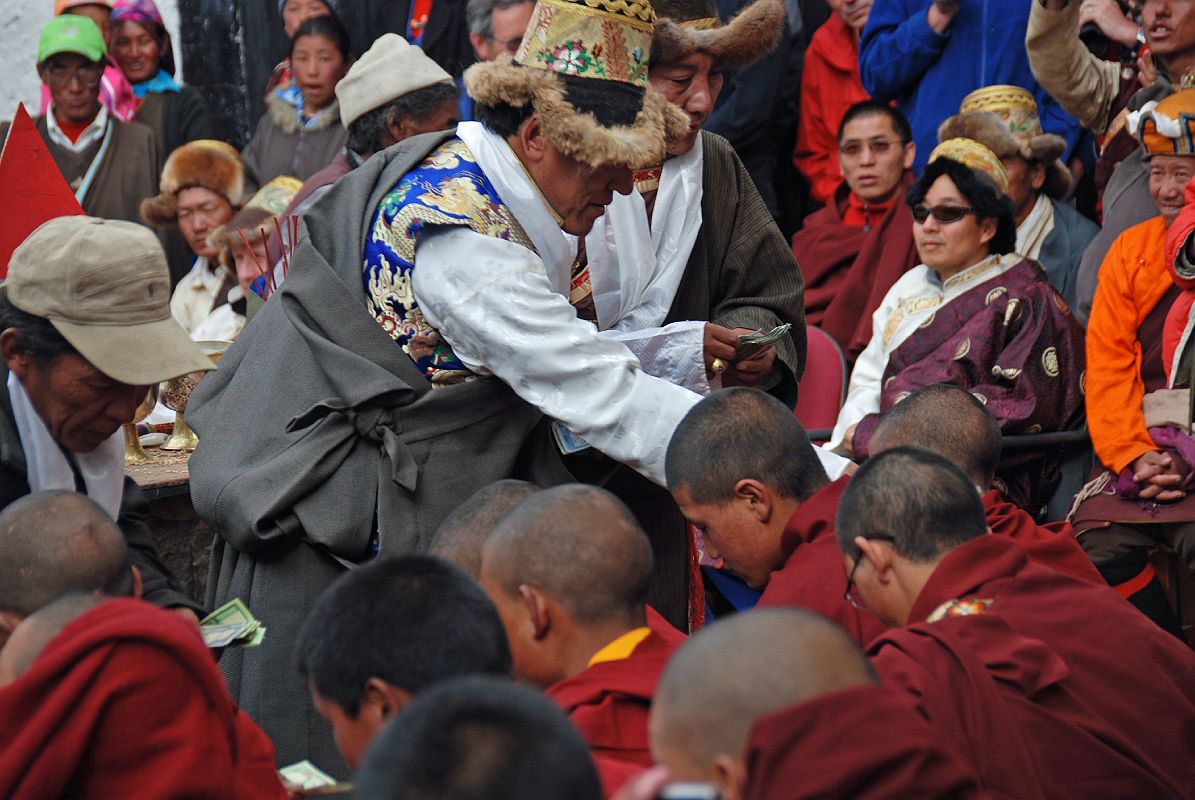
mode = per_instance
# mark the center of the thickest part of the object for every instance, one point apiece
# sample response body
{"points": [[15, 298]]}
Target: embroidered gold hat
{"points": [[583, 66], [690, 26], [1005, 120], [973, 155], [1165, 128]]}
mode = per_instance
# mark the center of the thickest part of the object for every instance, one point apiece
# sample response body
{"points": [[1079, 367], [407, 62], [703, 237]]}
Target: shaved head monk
{"points": [[57, 543], [117, 698], [1101, 700], [951, 422], [568, 569], [743, 470], [386, 631], [781, 703], [460, 537]]}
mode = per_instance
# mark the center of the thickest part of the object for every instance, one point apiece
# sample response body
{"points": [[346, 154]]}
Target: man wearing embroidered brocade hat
{"points": [[976, 315], [424, 344], [1005, 120], [1140, 493]]}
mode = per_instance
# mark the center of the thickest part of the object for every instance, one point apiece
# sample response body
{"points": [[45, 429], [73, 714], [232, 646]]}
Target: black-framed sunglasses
{"points": [[850, 578], [943, 214]]}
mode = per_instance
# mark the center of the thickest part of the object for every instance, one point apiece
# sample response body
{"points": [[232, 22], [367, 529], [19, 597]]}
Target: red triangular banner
{"points": [[34, 189]]}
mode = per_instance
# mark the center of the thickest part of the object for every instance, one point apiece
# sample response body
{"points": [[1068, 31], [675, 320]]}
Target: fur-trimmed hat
{"points": [[582, 66], [204, 163], [975, 156], [691, 26], [1005, 120]]}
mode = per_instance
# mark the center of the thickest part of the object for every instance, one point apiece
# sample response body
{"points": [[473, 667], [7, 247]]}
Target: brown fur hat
{"points": [[752, 34], [575, 133], [992, 132], [206, 163]]}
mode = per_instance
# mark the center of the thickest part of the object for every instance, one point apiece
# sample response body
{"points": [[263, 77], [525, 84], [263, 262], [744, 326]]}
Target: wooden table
{"points": [[183, 540]]}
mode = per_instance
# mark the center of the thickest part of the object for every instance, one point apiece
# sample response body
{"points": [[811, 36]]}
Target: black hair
{"points": [[947, 420], [330, 28], [610, 102], [409, 620], [981, 192], [367, 134], [742, 433], [877, 108], [925, 503], [40, 340], [479, 739]]}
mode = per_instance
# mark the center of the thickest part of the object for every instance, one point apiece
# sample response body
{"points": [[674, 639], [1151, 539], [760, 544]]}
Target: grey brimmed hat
{"points": [[105, 287]]}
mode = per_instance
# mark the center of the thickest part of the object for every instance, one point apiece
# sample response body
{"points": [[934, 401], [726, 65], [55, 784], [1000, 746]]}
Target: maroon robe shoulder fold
{"points": [[864, 743], [1013, 343], [609, 702], [1053, 545], [1101, 700], [126, 701], [849, 270], [813, 576]]}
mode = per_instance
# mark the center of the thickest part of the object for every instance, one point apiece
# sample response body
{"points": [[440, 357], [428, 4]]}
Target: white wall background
{"points": [[20, 23]]}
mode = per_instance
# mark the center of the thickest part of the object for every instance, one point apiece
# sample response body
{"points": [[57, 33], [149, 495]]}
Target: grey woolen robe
{"points": [[316, 432]]}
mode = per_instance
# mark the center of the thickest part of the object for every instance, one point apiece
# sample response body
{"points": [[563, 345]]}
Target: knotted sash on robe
{"points": [[320, 439], [813, 576], [1012, 342], [1114, 693], [864, 743], [127, 702], [848, 270]]}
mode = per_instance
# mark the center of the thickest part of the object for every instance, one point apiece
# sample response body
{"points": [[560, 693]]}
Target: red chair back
{"points": [[823, 389]]}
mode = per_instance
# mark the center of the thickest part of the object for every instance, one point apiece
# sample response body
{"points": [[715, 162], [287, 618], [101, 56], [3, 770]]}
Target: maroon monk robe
{"points": [[1108, 698], [127, 702], [813, 576], [1013, 343], [1053, 545], [848, 270], [864, 743], [609, 702]]}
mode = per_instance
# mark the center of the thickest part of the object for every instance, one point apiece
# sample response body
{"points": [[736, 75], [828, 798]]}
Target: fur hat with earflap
{"points": [[204, 163]]}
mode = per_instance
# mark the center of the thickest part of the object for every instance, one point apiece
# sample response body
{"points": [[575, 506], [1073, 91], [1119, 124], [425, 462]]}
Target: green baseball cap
{"points": [[71, 33]]}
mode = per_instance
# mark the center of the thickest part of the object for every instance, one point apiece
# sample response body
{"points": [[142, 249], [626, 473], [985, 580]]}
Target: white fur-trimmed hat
{"points": [[390, 68]]}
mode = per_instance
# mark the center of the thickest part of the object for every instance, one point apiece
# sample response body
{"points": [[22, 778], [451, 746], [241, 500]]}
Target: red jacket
{"points": [[813, 576], [829, 86]]}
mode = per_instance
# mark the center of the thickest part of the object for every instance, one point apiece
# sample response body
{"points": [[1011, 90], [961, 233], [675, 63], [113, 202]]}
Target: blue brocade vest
{"points": [[447, 188]]}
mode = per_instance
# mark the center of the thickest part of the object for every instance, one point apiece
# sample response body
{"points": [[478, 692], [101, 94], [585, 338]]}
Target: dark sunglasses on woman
{"points": [[943, 214]]}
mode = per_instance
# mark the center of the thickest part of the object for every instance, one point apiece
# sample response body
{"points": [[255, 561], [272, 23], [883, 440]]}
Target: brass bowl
{"points": [[134, 453], [177, 391]]}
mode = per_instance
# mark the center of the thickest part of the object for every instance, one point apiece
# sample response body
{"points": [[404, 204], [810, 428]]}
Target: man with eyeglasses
{"points": [[496, 29], [854, 249], [110, 165], [973, 314], [1046, 685]]}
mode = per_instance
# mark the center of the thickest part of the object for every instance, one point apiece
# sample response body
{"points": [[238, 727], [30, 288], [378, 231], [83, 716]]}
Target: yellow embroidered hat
{"points": [[689, 26], [1165, 128], [1005, 120], [582, 65], [973, 155]]}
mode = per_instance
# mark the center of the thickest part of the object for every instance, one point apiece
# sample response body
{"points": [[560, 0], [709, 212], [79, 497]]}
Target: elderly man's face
{"points": [[201, 211], [693, 84], [510, 24], [1168, 178], [74, 84], [577, 192], [79, 405], [1025, 182]]}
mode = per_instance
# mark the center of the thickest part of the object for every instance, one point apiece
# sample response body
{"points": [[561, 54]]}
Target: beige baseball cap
{"points": [[105, 287]]}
